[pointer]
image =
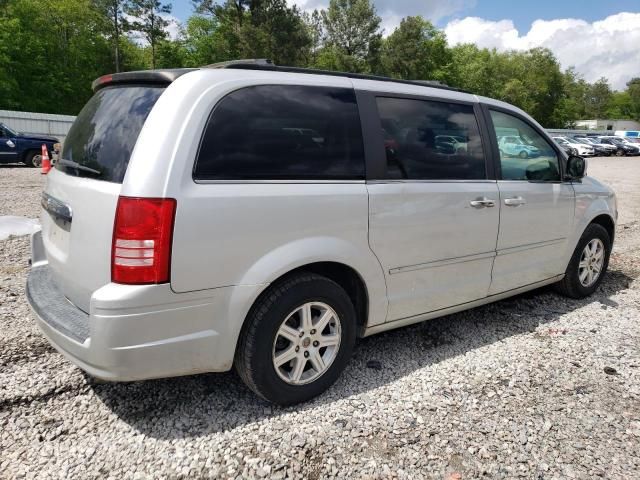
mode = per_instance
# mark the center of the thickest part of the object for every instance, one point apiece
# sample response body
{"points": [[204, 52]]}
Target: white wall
{"points": [[38, 123]]}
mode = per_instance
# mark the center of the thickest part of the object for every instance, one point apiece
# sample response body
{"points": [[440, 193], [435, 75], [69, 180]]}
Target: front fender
{"points": [[304, 251], [590, 203]]}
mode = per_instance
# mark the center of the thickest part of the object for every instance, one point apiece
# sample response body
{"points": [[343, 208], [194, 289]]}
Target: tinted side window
{"points": [[272, 132], [427, 140], [524, 153]]}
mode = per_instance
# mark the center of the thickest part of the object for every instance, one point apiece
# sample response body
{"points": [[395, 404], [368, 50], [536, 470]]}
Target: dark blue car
{"points": [[19, 147]]}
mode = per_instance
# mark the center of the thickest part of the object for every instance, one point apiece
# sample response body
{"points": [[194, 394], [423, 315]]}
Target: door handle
{"points": [[482, 202], [514, 201]]}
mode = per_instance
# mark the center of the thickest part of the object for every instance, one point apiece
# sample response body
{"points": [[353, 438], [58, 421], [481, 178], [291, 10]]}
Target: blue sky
{"points": [[596, 37], [522, 13]]}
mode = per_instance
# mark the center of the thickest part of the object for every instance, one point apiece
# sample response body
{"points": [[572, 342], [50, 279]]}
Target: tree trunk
{"points": [[116, 34]]}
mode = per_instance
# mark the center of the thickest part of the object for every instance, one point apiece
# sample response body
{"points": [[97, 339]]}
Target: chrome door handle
{"points": [[482, 202], [514, 201]]}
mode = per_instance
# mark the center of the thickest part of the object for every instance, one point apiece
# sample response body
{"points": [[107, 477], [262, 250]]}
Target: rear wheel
{"points": [[523, 154], [33, 159], [588, 264], [297, 339]]}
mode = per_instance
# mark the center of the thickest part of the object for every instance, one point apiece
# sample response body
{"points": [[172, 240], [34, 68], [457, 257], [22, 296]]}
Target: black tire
{"points": [[620, 152], [31, 159], [523, 154], [570, 285], [254, 361]]}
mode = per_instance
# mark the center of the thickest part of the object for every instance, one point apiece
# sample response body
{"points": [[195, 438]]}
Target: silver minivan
{"points": [[261, 217]]}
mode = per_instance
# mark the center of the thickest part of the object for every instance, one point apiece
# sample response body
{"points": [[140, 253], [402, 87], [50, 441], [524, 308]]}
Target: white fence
{"points": [[38, 123]]}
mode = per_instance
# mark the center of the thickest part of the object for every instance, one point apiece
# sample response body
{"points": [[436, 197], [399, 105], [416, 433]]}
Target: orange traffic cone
{"points": [[46, 162]]}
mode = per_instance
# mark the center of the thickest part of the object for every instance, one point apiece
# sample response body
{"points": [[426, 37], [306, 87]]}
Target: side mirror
{"points": [[576, 168]]}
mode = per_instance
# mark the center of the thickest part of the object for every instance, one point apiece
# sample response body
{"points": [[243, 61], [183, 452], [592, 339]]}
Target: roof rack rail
{"points": [[267, 64], [256, 62]]}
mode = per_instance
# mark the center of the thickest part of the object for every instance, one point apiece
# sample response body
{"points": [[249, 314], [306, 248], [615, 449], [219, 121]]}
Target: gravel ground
{"points": [[537, 386]]}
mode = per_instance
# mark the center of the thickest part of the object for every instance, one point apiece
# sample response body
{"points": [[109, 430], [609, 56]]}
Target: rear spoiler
{"points": [[146, 77]]}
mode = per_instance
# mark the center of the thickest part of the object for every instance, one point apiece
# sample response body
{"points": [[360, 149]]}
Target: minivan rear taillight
{"points": [[142, 235]]}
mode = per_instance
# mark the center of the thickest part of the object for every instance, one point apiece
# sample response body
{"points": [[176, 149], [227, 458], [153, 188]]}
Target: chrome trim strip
{"points": [[403, 322], [529, 246], [56, 208], [236, 182], [441, 263], [404, 180]]}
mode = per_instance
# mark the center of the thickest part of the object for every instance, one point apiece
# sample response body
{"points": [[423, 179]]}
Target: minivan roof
{"points": [[166, 76]]}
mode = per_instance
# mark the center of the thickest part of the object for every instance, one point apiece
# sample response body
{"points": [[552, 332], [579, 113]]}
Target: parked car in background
{"points": [[458, 143], [622, 147], [600, 150], [24, 148], [258, 216], [584, 150], [515, 146], [610, 149]]}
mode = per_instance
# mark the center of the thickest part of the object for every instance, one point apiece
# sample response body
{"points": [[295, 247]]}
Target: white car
{"points": [[260, 217], [582, 149]]}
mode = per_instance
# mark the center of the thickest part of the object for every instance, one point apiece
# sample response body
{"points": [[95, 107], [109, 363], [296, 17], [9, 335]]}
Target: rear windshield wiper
{"points": [[76, 165]]}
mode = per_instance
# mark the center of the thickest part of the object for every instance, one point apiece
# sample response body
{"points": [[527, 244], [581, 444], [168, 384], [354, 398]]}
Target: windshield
{"points": [[100, 142], [10, 132], [582, 140]]}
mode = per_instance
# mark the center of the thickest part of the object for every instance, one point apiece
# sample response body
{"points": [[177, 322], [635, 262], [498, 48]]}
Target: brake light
{"points": [[142, 235]]}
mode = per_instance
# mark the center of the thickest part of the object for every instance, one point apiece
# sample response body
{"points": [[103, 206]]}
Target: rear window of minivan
{"points": [[283, 132], [100, 142]]}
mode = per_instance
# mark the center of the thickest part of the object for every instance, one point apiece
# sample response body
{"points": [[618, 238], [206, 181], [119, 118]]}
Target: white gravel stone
{"points": [[515, 389]]}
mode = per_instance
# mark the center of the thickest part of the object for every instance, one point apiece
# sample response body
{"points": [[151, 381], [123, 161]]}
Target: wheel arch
{"points": [[26, 152], [606, 221]]}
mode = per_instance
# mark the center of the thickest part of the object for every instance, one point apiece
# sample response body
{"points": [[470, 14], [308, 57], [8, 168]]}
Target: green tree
{"points": [[598, 97], [415, 50], [149, 22], [633, 87], [50, 72], [353, 36], [112, 12], [620, 106]]}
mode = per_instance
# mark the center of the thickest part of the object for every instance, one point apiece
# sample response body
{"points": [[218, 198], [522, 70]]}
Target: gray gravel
{"points": [[535, 387]]}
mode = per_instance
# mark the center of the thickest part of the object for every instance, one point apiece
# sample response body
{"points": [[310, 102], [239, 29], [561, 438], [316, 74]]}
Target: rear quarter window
{"points": [[101, 139], [278, 132]]}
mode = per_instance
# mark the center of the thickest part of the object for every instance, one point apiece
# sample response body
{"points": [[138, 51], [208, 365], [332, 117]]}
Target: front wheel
{"points": [[523, 154], [297, 339], [588, 264], [620, 152], [33, 159]]}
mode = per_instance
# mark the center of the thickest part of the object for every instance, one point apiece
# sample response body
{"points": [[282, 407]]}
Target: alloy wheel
{"points": [[306, 343], [591, 262]]}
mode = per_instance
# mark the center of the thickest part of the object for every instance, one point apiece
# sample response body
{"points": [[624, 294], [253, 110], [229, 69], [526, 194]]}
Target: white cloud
{"points": [[173, 29], [605, 48], [392, 11]]}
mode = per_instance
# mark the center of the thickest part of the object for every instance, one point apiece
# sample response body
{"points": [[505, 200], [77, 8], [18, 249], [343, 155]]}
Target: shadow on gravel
{"points": [[201, 404]]}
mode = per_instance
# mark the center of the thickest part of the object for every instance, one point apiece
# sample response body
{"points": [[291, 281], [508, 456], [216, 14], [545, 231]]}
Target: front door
{"points": [[536, 210], [8, 146], [433, 214]]}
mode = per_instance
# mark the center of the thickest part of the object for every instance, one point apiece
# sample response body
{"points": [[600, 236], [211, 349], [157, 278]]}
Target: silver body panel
{"points": [[421, 249]]}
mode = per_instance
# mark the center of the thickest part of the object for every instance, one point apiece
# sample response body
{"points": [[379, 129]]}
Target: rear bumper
{"points": [[139, 332]]}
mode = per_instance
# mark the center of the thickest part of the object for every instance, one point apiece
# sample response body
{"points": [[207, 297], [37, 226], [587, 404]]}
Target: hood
{"points": [[38, 138]]}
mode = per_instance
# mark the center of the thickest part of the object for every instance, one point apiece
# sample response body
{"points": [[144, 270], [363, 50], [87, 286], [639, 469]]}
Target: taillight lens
{"points": [[142, 235]]}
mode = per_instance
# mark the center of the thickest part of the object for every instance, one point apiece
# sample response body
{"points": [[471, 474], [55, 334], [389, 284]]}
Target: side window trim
{"points": [[375, 158], [494, 141]]}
